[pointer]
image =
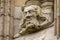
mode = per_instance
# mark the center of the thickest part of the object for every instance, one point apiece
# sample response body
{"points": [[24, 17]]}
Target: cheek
{"points": [[34, 14]]}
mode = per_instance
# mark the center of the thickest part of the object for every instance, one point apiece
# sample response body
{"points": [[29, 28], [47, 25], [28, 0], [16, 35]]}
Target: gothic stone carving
{"points": [[36, 18]]}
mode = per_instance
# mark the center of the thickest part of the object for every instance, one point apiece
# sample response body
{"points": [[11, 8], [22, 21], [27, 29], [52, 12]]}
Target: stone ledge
{"points": [[47, 34]]}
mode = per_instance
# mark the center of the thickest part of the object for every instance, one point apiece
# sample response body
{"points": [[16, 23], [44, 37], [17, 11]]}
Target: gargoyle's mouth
{"points": [[30, 24], [28, 19]]}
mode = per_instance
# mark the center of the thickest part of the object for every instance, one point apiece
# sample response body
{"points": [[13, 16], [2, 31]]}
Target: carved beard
{"points": [[30, 22], [29, 26]]}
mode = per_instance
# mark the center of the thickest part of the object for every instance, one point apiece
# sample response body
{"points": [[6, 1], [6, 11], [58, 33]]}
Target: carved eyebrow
{"points": [[35, 8], [25, 11]]}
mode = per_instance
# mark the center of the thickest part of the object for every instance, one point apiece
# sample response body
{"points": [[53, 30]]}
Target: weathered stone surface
{"points": [[33, 17], [1, 38], [11, 30], [18, 2], [42, 35], [1, 27], [14, 15], [18, 13], [6, 38], [1, 19], [17, 18], [47, 34], [6, 27], [16, 26]]}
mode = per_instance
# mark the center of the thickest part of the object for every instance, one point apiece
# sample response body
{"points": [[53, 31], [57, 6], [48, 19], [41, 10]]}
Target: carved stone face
{"points": [[30, 15], [32, 20], [47, 11], [33, 16]]}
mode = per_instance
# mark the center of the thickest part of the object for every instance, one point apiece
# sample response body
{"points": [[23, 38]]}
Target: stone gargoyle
{"points": [[35, 18]]}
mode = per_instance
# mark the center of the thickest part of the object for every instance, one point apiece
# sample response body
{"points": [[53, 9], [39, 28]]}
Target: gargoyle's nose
{"points": [[28, 15]]}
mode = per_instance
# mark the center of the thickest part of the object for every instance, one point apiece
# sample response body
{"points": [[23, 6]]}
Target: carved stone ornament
{"points": [[36, 17]]}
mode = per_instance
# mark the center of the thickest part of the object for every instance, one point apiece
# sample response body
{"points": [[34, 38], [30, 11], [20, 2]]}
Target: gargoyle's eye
{"points": [[29, 11], [25, 12], [35, 8]]}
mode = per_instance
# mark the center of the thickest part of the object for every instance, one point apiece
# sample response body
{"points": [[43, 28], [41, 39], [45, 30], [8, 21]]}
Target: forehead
{"points": [[31, 7]]}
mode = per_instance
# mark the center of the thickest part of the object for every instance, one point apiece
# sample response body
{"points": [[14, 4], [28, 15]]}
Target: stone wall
{"points": [[17, 18], [57, 17], [6, 20], [18, 2]]}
